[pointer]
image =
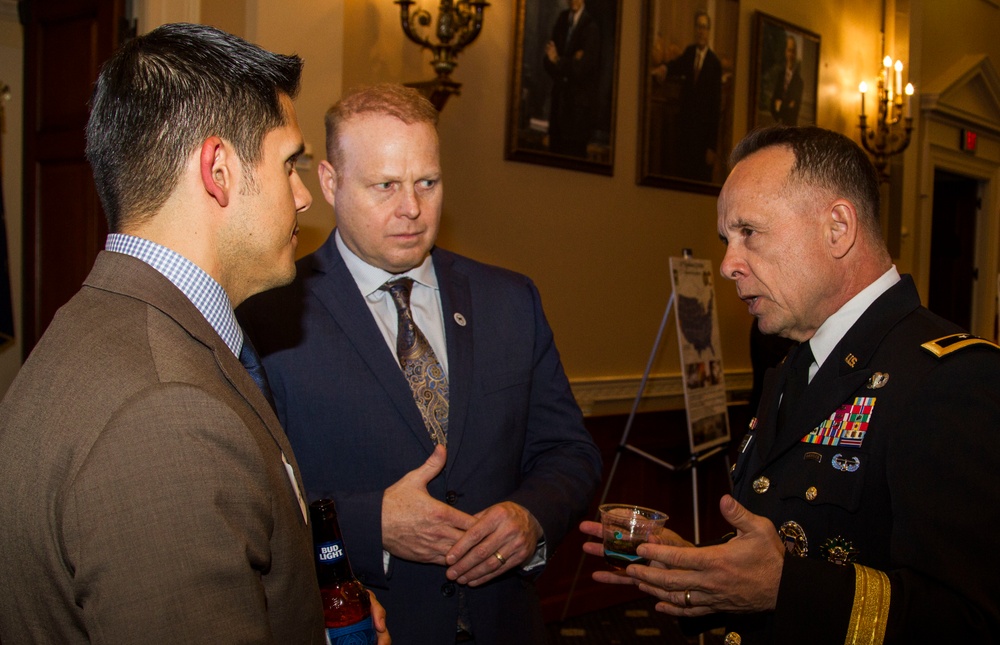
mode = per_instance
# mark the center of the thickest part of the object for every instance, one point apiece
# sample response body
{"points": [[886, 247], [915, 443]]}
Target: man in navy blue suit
{"points": [[572, 59], [449, 504], [698, 74]]}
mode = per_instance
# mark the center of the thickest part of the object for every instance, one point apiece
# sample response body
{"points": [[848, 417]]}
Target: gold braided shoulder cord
{"points": [[872, 593]]}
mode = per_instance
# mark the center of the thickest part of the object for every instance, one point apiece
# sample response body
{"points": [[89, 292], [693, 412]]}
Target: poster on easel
{"points": [[701, 352]]}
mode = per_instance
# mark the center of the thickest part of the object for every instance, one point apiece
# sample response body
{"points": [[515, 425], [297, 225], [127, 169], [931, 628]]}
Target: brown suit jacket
{"points": [[144, 495]]}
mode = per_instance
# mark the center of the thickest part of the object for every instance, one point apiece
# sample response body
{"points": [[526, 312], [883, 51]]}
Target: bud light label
{"points": [[330, 552], [360, 633]]}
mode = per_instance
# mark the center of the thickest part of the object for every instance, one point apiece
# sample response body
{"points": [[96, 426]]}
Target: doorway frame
{"points": [[966, 98]]}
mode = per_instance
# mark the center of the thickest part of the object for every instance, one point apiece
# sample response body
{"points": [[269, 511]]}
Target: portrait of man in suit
{"points": [[562, 95], [698, 72], [423, 391], [572, 60], [784, 73], [149, 492], [786, 96]]}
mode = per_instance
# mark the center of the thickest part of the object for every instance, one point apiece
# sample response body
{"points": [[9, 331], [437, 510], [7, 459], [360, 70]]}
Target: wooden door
{"points": [[65, 41]]}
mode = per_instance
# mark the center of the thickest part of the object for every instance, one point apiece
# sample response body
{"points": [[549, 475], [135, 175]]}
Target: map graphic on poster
{"points": [[701, 357]]}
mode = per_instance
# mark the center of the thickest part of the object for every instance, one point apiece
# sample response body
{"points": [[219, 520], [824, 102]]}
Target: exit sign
{"points": [[969, 140]]}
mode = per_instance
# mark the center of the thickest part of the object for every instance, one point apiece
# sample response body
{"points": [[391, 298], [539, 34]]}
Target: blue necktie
{"points": [[251, 360]]}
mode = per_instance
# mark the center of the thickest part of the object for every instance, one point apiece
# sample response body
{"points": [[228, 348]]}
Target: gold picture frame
{"points": [[562, 103]]}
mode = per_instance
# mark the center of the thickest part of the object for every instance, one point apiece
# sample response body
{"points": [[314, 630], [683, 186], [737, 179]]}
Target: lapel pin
{"points": [[460, 319], [878, 380], [851, 360]]}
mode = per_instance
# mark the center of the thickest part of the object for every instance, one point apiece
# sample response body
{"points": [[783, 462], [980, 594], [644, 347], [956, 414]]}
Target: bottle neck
{"points": [[332, 565]]}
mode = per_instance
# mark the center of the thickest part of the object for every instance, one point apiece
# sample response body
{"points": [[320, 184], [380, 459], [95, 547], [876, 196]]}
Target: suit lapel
{"points": [[827, 391], [767, 413], [847, 367], [134, 278], [459, 319], [336, 290]]}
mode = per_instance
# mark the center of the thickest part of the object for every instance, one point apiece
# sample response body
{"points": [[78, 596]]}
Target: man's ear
{"points": [[216, 175], [842, 227], [328, 181]]}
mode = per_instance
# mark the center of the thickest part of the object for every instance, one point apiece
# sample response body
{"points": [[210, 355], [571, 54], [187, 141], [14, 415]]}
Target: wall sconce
{"points": [[458, 24], [887, 136]]}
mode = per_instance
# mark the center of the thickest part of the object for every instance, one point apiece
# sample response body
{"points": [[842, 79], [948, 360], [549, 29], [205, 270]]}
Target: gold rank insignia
{"points": [[945, 345]]}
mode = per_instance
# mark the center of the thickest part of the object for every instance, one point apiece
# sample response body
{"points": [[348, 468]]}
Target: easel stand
{"points": [[690, 463], [623, 445]]}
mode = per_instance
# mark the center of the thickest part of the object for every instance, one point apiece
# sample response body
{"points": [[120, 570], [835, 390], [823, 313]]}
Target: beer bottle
{"points": [[346, 605]]}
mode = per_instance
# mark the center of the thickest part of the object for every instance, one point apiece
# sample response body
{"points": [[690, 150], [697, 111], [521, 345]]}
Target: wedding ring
{"points": [[500, 558], [687, 598]]}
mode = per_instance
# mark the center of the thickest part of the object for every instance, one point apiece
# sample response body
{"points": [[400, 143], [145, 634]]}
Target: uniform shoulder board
{"points": [[948, 344]]}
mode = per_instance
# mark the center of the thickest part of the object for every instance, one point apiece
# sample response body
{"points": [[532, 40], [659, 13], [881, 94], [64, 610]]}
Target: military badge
{"points": [[845, 465], [794, 537], [877, 381], [845, 427], [838, 550]]}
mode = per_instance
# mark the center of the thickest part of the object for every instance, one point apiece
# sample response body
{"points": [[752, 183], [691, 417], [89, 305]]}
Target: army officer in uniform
{"points": [[865, 504]]}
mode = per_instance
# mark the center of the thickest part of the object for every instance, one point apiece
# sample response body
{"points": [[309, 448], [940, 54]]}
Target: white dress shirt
{"points": [[833, 328], [425, 300]]}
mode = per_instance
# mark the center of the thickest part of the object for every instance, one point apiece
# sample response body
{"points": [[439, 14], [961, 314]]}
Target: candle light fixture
{"points": [[892, 117], [458, 24]]}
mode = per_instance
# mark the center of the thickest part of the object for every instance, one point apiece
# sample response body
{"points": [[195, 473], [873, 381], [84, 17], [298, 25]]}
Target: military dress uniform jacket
{"points": [[884, 486]]}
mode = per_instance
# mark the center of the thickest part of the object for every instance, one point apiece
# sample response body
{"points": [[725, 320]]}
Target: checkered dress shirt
{"points": [[205, 294]]}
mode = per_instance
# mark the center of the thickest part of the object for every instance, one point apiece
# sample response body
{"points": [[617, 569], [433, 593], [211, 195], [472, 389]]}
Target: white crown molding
{"points": [[615, 395]]}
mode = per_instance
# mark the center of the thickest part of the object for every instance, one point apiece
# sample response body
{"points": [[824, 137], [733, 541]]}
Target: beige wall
{"points": [[596, 246]]}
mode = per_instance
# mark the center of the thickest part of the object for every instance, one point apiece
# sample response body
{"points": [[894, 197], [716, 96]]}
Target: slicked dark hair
{"points": [[825, 159], [162, 94]]}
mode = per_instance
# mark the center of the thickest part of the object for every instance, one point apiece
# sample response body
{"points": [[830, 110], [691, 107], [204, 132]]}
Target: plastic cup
{"points": [[626, 527]]}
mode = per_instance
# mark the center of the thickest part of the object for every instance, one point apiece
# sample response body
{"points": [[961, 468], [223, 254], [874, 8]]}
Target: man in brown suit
{"points": [[149, 492]]}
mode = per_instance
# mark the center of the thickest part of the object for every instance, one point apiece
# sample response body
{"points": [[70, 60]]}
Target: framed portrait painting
{"points": [[561, 109], [784, 70], [686, 107]]}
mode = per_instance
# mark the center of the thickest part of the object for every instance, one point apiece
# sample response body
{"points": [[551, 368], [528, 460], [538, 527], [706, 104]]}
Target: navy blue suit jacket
{"points": [[514, 432]]}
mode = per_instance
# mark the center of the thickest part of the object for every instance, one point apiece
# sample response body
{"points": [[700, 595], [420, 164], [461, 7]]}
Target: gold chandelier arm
{"points": [[421, 16]]}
